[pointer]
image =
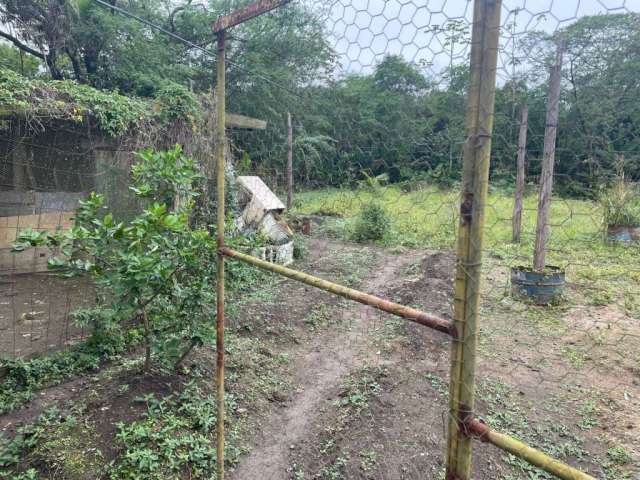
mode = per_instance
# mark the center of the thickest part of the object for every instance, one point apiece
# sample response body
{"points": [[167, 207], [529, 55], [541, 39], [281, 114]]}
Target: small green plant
{"points": [[358, 389], [372, 224], [157, 269], [620, 204], [369, 460], [174, 437]]}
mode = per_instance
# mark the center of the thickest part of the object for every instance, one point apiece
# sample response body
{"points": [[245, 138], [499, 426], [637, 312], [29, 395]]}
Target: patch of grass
{"points": [[428, 218], [67, 450]]}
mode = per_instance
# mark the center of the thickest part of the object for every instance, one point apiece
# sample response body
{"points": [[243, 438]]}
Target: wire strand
{"points": [[211, 53]]}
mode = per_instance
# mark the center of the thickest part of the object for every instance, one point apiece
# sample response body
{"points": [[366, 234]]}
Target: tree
{"points": [[156, 270]]}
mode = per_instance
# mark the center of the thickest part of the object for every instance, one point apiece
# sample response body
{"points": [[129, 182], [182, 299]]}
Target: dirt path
{"points": [[318, 369]]}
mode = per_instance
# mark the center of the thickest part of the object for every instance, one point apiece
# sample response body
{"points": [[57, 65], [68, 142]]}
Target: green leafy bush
{"points": [[371, 225], [156, 270]]}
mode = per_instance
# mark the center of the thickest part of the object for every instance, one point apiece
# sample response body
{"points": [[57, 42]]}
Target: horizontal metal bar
{"points": [[246, 13], [525, 452], [412, 314]]}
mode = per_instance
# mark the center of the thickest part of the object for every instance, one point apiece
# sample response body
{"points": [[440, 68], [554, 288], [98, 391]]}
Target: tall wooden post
{"points": [[475, 180], [546, 176], [220, 178], [289, 162], [520, 175]]}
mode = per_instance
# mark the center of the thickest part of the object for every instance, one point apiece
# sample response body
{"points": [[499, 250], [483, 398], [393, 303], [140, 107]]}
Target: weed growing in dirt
{"points": [[356, 390], [54, 442], [175, 435], [369, 460], [319, 317], [22, 378], [335, 471]]}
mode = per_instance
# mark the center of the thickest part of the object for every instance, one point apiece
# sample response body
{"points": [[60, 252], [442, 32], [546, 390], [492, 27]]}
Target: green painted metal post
{"points": [[477, 152]]}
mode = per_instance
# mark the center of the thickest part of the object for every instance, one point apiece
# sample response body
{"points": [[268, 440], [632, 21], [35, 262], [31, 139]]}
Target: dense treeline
{"points": [[396, 120]]}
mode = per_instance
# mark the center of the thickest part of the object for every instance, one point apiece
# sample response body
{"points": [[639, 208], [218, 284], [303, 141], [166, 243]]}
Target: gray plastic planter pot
{"points": [[542, 288]]}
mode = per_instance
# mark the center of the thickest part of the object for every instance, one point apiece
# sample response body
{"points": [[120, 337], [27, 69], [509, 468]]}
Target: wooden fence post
{"points": [[520, 175], [475, 182], [546, 176], [289, 162]]}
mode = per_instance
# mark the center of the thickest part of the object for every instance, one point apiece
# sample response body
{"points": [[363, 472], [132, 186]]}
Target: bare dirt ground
{"points": [[327, 389], [398, 375]]}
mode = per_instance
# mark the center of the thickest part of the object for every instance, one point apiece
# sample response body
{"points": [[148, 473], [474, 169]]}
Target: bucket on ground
{"points": [[541, 287]]}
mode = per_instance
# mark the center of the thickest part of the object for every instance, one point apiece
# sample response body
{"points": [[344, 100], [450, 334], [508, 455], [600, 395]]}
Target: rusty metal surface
{"points": [[250, 11], [220, 218], [426, 319]]}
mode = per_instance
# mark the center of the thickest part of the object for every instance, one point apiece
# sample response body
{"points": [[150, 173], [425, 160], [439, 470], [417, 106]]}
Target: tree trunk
{"points": [[546, 176], [520, 176], [289, 162], [147, 340]]}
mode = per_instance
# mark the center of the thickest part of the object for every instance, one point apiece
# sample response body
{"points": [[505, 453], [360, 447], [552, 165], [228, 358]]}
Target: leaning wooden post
{"points": [[546, 176], [220, 179], [289, 162], [475, 179], [520, 175]]}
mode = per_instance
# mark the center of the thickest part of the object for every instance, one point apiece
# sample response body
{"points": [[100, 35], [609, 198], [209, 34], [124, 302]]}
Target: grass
{"points": [[428, 218], [601, 299]]}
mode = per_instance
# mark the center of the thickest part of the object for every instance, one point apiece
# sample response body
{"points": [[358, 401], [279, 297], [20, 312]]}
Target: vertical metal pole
{"points": [[220, 178], [477, 152]]}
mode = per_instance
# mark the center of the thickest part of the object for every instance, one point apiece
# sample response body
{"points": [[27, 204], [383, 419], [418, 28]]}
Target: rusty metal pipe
{"points": [[426, 319], [525, 452], [220, 178]]}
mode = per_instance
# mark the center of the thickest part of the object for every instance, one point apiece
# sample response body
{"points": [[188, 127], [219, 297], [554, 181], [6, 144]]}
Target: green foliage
{"points": [[13, 451], [372, 224], [22, 63], [156, 269], [176, 434], [176, 102], [620, 204], [113, 113], [22, 378]]}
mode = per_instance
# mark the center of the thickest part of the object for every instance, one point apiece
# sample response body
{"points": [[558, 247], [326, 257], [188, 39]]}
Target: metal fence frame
{"points": [[463, 426]]}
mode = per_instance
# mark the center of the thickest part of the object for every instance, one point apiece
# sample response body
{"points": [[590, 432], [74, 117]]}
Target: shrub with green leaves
{"points": [[372, 224], [156, 269]]}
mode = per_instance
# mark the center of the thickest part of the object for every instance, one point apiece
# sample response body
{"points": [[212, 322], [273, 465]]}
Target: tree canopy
{"points": [[393, 118]]}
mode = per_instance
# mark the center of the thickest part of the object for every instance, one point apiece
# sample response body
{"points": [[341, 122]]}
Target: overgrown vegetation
{"points": [[23, 378], [113, 113], [620, 204]]}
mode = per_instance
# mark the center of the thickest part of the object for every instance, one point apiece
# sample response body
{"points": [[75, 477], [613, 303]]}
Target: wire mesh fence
{"points": [[377, 149], [366, 128]]}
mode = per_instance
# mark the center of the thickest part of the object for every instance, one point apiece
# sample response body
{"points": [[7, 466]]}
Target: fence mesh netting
{"points": [[368, 100]]}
